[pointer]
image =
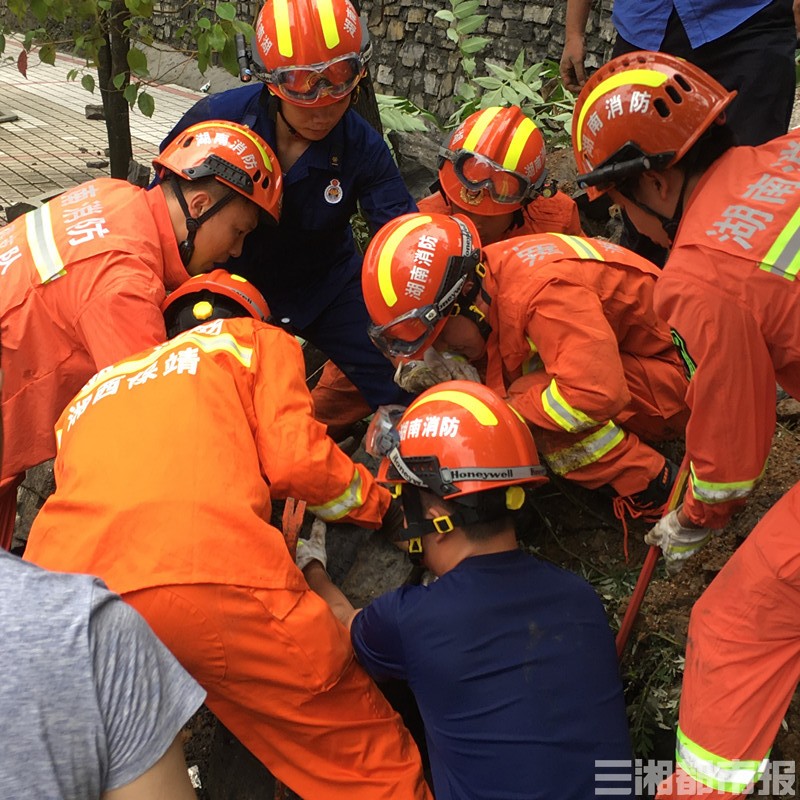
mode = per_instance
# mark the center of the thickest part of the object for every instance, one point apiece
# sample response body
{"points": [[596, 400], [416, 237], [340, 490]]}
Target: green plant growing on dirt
{"points": [[399, 114], [106, 35], [535, 87]]}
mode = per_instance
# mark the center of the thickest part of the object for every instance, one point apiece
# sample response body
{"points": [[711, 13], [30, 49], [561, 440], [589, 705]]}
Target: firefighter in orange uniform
{"points": [[492, 170], [83, 277], [167, 465], [649, 129], [569, 332]]}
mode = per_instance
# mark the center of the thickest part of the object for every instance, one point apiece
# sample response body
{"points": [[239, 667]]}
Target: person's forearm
{"points": [[320, 583], [577, 17]]}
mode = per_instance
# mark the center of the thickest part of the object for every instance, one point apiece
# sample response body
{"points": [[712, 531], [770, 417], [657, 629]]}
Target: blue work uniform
{"points": [[308, 267], [513, 667]]}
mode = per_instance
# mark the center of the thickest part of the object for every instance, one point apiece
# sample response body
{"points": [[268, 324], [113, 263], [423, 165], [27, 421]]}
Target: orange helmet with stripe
{"points": [[232, 154], [494, 162], [414, 270], [641, 111], [213, 295], [314, 52]]}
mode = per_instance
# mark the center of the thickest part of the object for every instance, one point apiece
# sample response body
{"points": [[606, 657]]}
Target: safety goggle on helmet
{"points": [[313, 52], [461, 441], [414, 270], [494, 162]]}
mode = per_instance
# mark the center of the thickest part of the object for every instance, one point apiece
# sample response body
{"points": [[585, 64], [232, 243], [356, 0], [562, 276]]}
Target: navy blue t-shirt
{"points": [[513, 666], [301, 264]]}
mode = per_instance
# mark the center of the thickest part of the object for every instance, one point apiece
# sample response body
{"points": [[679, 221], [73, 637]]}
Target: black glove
{"points": [[393, 524]]}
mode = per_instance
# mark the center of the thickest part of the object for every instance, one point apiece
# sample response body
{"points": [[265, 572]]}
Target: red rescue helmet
{"points": [[314, 52], [234, 155], [414, 270], [494, 162], [213, 295], [456, 439], [641, 111]]}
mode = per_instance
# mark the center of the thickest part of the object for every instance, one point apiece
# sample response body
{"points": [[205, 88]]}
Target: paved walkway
{"points": [[48, 147]]}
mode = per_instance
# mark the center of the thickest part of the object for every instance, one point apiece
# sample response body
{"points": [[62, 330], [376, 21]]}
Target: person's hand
{"points": [[571, 67], [434, 368], [394, 524], [677, 542], [313, 548]]}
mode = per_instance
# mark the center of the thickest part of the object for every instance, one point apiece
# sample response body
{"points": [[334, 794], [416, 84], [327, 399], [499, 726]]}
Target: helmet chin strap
{"points": [[669, 224], [292, 131], [186, 247]]}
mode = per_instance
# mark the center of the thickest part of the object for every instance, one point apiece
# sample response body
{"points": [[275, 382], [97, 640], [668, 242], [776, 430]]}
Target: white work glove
{"points": [[435, 367], [676, 542], [313, 548]]}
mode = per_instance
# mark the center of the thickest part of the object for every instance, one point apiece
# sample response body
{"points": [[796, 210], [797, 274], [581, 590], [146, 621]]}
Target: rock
{"points": [[138, 174], [95, 112], [97, 163], [38, 485], [788, 410]]}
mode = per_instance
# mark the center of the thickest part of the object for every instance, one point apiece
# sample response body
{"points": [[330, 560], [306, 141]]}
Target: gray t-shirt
{"points": [[89, 697]]}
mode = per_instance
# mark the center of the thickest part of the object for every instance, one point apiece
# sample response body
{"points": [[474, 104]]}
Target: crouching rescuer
{"points": [[167, 467], [563, 326], [511, 659]]}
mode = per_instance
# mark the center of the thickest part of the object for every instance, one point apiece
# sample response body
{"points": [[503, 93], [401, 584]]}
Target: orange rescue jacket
{"points": [[81, 284], [569, 306], [168, 462], [731, 295]]}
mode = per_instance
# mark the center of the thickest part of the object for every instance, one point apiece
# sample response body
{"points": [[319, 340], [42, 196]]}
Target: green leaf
{"points": [[146, 104], [137, 62], [87, 81], [520, 62], [467, 8], [119, 79], [226, 11], [131, 90], [204, 23], [72, 74], [104, 5], [469, 25], [47, 53], [2, 43], [216, 38], [474, 44], [452, 35], [501, 73], [39, 10], [488, 83], [447, 16], [228, 58]]}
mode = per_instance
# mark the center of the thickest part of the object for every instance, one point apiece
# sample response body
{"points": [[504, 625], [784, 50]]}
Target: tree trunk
{"points": [[113, 60], [367, 105]]}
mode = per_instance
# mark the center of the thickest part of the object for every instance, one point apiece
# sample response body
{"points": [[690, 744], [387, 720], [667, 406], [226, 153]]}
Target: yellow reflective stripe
{"points": [[283, 30], [532, 362], [583, 247], [223, 342], [783, 258], [387, 256], [481, 124], [722, 774], [477, 408], [42, 243], [518, 142], [586, 451], [562, 413], [328, 21], [644, 77], [349, 500], [708, 492]]}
